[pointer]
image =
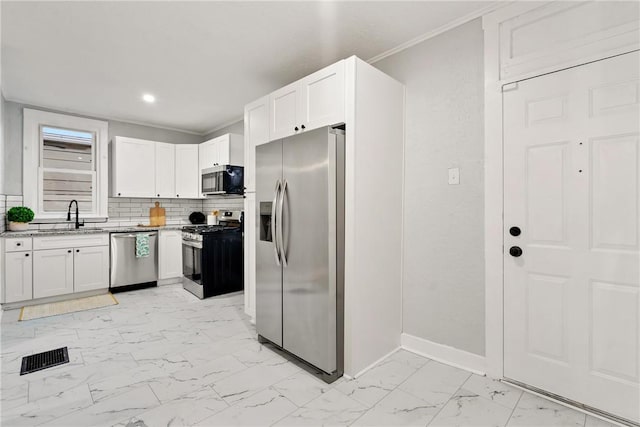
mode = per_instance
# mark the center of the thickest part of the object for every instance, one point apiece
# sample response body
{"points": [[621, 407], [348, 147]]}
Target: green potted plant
{"points": [[19, 218]]}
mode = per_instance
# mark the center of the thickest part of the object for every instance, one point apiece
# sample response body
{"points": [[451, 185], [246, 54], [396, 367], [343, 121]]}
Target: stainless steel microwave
{"points": [[223, 179]]}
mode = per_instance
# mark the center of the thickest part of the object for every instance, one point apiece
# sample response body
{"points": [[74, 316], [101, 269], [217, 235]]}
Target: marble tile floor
{"points": [[164, 358]]}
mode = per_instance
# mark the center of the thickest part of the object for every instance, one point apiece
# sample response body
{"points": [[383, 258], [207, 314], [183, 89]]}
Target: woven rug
{"points": [[62, 307]]}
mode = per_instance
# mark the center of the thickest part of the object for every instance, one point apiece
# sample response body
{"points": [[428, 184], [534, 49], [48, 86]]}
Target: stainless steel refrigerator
{"points": [[300, 247]]}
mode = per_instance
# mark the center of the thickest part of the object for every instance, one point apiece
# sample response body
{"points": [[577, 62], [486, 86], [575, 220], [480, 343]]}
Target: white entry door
{"points": [[572, 270]]}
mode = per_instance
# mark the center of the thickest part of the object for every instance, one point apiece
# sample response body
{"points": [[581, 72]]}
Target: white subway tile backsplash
{"points": [[133, 211]]}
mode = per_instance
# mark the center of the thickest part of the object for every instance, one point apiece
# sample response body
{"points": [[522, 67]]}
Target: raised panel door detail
{"points": [[170, 254], [165, 170], [546, 316], [18, 276], [134, 168], [614, 307], [90, 268], [322, 97], [571, 299], [543, 110], [187, 174], [52, 272], [615, 192], [283, 112], [611, 98], [545, 189], [557, 35]]}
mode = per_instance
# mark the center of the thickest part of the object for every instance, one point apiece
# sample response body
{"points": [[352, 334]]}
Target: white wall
{"points": [[237, 128], [443, 279]]}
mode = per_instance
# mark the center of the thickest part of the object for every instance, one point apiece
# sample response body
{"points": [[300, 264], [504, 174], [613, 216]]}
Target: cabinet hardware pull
{"points": [[69, 251], [77, 250], [303, 127], [26, 254], [296, 128], [18, 244]]}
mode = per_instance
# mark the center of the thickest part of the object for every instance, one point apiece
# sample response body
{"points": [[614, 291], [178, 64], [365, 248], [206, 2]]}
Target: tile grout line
{"points": [[449, 399], [392, 390], [514, 408]]}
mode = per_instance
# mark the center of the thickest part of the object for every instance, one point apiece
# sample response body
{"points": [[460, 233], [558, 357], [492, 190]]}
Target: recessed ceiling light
{"points": [[148, 98]]}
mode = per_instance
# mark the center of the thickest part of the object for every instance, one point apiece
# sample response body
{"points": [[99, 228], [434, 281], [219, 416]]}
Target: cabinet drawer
{"points": [[18, 244], [62, 241]]}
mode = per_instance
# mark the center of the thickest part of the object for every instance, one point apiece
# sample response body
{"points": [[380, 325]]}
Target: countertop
{"points": [[88, 230]]}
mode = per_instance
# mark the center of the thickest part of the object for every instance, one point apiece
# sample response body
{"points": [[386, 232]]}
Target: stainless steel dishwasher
{"points": [[127, 271]]}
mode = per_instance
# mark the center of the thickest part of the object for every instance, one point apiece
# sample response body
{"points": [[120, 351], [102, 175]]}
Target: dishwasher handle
{"points": [[123, 235]]}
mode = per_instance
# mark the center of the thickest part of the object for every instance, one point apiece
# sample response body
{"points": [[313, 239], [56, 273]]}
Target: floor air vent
{"points": [[47, 359]]}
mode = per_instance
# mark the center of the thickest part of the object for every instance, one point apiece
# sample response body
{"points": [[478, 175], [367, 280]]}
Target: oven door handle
{"points": [[192, 244], [274, 223]]}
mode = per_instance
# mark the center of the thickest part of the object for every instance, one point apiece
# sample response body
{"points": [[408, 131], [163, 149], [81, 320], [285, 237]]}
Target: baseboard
{"points": [[171, 281], [372, 365], [445, 354]]}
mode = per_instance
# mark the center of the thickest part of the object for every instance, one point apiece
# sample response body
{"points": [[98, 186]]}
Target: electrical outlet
{"points": [[454, 176]]}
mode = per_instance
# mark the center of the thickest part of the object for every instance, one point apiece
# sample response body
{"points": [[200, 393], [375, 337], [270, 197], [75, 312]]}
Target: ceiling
{"points": [[202, 60]]}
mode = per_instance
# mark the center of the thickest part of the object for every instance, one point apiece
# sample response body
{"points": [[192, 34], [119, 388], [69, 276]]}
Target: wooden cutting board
{"points": [[157, 216]]}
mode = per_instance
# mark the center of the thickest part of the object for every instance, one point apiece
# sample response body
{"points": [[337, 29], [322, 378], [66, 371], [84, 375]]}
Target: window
{"points": [[65, 159]]}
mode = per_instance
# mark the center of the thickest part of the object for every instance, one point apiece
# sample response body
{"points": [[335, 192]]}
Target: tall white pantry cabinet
{"points": [[371, 106]]}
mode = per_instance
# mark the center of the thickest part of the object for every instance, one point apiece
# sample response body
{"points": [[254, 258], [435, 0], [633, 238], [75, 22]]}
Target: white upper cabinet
{"points": [[312, 102], [227, 149], [133, 168], [322, 97], [141, 168], [165, 170], [284, 105], [208, 154], [187, 176], [256, 132]]}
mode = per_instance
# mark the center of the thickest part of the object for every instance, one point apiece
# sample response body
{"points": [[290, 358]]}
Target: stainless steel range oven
{"points": [[212, 257], [192, 258]]}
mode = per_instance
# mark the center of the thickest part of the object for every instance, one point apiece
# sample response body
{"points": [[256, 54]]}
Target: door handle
{"points": [[515, 251], [274, 225], [283, 255]]}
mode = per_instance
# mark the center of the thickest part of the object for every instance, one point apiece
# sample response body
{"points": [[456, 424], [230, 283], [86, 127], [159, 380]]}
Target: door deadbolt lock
{"points": [[515, 251], [515, 231]]}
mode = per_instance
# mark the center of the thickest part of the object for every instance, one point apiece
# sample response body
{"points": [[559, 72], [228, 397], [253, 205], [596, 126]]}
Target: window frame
{"points": [[32, 171]]}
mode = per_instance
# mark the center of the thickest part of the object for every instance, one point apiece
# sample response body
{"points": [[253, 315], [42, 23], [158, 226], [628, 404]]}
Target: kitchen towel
{"points": [[142, 245]]}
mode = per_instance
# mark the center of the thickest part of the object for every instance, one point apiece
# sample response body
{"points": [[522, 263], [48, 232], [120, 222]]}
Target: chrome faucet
{"points": [[78, 225]]}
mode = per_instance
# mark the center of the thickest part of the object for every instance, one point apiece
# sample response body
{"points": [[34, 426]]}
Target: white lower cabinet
{"points": [[52, 272], [169, 254], [18, 277], [57, 265], [90, 268]]}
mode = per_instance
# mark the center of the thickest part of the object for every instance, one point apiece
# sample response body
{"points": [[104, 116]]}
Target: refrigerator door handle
{"points": [[283, 255], [274, 222]]}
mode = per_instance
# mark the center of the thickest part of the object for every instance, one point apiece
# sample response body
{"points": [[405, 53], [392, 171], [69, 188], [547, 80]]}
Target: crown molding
{"points": [[435, 32]]}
